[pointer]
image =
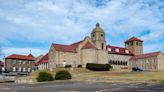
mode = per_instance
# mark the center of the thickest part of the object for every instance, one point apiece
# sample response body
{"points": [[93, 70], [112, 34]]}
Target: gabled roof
{"points": [[133, 39], [122, 51], [88, 45], [141, 56], [30, 55], [64, 48], [20, 57], [72, 47], [44, 59]]}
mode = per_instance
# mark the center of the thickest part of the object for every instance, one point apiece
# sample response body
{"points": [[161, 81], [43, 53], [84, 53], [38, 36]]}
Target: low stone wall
{"points": [[25, 80]]}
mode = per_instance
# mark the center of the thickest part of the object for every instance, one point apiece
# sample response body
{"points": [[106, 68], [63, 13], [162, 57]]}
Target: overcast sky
{"points": [[35, 24]]}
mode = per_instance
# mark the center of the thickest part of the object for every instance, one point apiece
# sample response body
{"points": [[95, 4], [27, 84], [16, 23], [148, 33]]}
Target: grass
{"points": [[81, 74]]}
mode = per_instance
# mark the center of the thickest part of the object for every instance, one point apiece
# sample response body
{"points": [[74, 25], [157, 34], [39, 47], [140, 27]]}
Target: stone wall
{"points": [[161, 61], [149, 63], [88, 56], [122, 59], [9, 64], [102, 56]]}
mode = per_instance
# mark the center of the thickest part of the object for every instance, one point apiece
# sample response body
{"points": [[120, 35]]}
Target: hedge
{"points": [[79, 66], [63, 75], [98, 67], [44, 76]]}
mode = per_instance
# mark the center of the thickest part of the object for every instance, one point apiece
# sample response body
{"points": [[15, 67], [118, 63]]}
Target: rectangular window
{"points": [[126, 51], [14, 69], [116, 50], [20, 62], [29, 69], [20, 69], [14, 61], [24, 62], [109, 49], [24, 69]]}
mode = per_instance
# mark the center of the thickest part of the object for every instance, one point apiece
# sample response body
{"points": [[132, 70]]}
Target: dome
{"points": [[98, 28]]}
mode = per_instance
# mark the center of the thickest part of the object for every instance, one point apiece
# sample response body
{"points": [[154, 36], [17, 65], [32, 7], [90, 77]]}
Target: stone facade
{"points": [[160, 61], [19, 63], [94, 50], [89, 50], [119, 61], [150, 61]]}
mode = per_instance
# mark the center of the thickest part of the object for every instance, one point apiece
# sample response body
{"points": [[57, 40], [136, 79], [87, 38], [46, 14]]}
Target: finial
{"points": [[97, 24], [30, 51]]}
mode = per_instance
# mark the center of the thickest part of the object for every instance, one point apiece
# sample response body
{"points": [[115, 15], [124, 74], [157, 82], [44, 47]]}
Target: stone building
{"points": [[94, 49], [1, 66], [90, 50], [42, 64], [150, 61], [19, 63], [118, 57]]}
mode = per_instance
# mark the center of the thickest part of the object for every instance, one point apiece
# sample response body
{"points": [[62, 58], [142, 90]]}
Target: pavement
{"points": [[73, 86]]}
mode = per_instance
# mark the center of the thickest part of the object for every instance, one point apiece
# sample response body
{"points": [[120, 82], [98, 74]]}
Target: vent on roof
{"points": [[116, 50]]}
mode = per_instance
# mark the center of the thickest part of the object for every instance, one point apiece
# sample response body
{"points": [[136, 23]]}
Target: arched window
{"points": [[110, 61], [118, 62], [113, 62], [121, 62], [126, 63], [93, 35], [102, 46], [101, 35]]}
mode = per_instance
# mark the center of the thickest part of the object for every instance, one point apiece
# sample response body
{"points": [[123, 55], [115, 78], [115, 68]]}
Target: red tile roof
{"points": [[133, 39], [122, 51], [30, 55], [20, 57], [141, 56], [64, 48], [88, 45], [44, 59], [72, 47], [1, 63]]}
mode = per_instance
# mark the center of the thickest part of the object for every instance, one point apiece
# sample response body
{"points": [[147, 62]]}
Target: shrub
{"points": [[68, 66], [98, 67], [63, 75], [44, 76], [79, 66]]}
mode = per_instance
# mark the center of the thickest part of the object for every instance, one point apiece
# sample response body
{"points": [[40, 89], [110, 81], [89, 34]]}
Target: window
{"points": [[137, 43], [24, 69], [20, 61], [14, 61], [29, 69], [116, 50], [126, 51], [24, 62], [20, 69], [102, 45], [93, 35], [14, 69], [101, 35], [109, 49]]}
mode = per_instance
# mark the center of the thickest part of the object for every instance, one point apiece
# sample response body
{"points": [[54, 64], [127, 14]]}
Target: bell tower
{"points": [[98, 37], [134, 45]]}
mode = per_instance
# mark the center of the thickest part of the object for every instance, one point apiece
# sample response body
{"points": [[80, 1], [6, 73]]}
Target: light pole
{"points": [[4, 63]]}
